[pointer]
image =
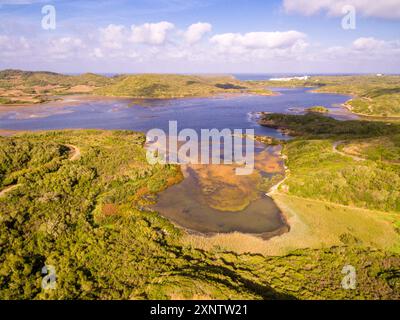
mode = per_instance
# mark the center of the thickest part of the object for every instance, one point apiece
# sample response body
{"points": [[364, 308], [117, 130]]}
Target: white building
{"points": [[290, 79]]}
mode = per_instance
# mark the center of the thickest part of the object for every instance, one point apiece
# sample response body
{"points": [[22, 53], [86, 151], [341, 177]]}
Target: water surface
{"points": [[234, 112]]}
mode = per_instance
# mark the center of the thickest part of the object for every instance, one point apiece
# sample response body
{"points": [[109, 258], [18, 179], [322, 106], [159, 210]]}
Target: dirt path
{"points": [[335, 149], [275, 188], [8, 189], [75, 153]]}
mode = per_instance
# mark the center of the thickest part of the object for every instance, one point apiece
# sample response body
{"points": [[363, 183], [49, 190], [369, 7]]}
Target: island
{"points": [[318, 109]]}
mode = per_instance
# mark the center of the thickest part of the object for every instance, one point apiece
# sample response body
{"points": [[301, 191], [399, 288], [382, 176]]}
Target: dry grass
{"points": [[314, 224]]}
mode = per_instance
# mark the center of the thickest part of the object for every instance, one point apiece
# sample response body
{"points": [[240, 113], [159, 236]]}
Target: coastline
{"points": [[368, 116], [65, 99], [348, 107]]}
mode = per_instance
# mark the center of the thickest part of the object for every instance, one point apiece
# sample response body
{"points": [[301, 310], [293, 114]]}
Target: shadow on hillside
{"points": [[381, 92], [213, 274]]}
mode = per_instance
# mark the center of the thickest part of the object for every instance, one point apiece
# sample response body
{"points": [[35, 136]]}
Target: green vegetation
{"points": [[24, 87], [319, 171], [316, 126], [316, 172], [385, 149], [4, 100], [318, 109], [342, 184], [88, 218], [373, 95], [177, 86]]}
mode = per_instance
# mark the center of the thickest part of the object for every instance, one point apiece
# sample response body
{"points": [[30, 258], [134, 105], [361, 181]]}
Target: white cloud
{"points": [[369, 44], [16, 44], [61, 48], [113, 36], [14, 47], [363, 49], [371, 48], [151, 33], [98, 53], [389, 9], [196, 32], [237, 43]]}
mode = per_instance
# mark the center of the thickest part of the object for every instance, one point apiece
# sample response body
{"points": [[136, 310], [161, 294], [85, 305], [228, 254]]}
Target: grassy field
{"points": [[372, 95], [81, 205]]}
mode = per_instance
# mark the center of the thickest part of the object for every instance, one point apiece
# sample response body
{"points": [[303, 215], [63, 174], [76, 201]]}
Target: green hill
{"points": [[176, 86], [26, 87]]}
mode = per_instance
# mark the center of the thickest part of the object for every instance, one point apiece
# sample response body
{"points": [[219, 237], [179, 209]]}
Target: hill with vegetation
{"points": [[79, 201], [164, 86], [352, 163], [26, 87], [373, 95]]}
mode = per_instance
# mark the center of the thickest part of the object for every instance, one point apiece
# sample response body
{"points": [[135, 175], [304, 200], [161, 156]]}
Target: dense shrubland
{"points": [[89, 218], [317, 171]]}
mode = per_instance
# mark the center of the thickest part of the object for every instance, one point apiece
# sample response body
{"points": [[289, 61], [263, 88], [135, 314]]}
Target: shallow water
{"points": [[233, 112], [192, 205]]}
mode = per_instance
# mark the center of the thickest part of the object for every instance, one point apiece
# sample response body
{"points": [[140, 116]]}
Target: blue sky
{"points": [[210, 36]]}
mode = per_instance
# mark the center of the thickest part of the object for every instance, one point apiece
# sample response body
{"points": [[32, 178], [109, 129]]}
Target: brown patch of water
{"points": [[212, 199]]}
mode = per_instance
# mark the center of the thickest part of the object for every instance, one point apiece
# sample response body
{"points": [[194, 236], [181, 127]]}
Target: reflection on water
{"points": [[212, 199]]}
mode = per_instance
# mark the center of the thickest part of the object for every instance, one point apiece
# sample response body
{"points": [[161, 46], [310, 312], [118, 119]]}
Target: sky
{"points": [[201, 36]]}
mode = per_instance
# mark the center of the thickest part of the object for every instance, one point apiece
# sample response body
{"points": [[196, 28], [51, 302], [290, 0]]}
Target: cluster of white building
{"points": [[290, 79]]}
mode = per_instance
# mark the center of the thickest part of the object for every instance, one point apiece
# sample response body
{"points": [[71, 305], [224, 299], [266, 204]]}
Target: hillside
{"points": [[353, 163], [163, 86], [25, 87], [88, 216]]}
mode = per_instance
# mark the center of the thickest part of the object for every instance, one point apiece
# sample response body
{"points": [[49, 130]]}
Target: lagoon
{"points": [[228, 111]]}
